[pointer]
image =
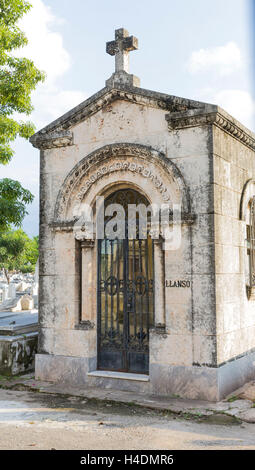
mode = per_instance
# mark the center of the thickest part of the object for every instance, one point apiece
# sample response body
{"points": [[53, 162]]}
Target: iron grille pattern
{"points": [[125, 295]]}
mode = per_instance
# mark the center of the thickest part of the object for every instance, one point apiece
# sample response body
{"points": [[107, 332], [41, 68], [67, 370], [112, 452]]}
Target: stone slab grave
{"points": [[18, 341]]}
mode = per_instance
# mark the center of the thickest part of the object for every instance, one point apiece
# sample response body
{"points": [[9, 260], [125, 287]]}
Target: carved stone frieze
{"points": [[99, 163], [124, 166]]}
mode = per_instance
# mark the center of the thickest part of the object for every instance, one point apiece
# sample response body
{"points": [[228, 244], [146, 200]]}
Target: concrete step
{"points": [[120, 380]]}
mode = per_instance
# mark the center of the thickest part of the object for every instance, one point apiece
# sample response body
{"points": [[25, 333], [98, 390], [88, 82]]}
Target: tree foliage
{"points": [[18, 78], [13, 200], [18, 251]]}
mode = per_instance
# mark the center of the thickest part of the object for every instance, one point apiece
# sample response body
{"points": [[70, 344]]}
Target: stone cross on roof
{"points": [[121, 47]]}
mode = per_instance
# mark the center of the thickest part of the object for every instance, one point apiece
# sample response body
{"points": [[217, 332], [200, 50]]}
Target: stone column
{"points": [[87, 282], [159, 283]]}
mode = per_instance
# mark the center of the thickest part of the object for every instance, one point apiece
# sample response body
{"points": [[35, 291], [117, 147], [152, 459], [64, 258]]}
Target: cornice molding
{"points": [[44, 138], [88, 240], [55, 139], [182, 113], [215, 117]]}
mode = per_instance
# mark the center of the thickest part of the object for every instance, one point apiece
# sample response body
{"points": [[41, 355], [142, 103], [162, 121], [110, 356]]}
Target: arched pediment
{"points": [[123, 162]]}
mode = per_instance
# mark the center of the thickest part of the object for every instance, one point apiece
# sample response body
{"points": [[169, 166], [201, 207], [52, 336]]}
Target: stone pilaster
{"points": [[87, 282], [159, 284]]}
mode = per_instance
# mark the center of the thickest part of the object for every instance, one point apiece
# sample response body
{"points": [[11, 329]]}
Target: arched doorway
{"points": [[125, 295]]}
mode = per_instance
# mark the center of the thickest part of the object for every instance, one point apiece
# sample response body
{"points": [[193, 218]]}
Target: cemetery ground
{"points": [[38, 415]]}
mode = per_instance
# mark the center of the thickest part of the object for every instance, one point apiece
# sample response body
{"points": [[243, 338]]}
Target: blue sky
{"points": [[196, 49]]}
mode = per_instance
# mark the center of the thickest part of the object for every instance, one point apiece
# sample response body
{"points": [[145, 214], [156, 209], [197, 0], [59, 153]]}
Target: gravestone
{"points": [[5, 292], [26, 302], [12, 291]]}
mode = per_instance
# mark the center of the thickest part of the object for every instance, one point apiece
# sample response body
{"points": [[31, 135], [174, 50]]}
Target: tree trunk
{"points": [[7, 275]]}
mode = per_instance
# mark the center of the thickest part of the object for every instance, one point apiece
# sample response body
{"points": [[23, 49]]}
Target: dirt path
{"points": [[37, 421]]}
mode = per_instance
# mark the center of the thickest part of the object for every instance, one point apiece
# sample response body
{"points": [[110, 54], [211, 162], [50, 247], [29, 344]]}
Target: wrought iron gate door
{"points": [[125, 297]]}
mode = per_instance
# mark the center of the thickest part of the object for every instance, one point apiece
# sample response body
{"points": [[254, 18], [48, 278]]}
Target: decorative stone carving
{"points": [[55, 139], [123, 150], [125, 166]]}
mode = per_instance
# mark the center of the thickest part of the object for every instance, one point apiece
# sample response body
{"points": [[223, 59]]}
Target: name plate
{"points": [[170, 283]]}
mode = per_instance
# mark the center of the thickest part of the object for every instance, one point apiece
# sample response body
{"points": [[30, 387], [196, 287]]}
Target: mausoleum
{"points": [[172, 312]]}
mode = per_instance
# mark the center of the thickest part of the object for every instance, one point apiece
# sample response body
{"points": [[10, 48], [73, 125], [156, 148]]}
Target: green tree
{"points": [[18, 78], [18, 251], [13, 199], [31, 253]]}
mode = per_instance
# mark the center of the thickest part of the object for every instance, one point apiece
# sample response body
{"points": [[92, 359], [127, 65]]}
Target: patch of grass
{"points": [[233, 398], [3, 377], [191, 416], [221, 418], [9, 377]]}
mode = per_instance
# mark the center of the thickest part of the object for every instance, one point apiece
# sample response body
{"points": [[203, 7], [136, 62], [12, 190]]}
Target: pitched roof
{"points": [[181, 112]]}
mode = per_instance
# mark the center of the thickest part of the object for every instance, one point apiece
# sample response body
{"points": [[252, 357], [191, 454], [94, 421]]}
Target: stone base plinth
{"points": [[204, 383]]}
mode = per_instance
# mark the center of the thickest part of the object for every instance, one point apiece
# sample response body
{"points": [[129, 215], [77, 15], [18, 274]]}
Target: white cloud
{"points": [[238, 103], [45, 47], [223, 59], [50, 103]]}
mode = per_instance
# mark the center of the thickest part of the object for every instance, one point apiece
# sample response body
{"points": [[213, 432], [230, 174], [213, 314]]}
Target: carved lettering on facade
{"points": [[124, 166], [180, 283], [99, 165]]}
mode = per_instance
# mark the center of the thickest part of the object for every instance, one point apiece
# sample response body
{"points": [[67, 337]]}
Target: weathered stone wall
{"points": [[191, 151], [190, 316], [234, 165]]}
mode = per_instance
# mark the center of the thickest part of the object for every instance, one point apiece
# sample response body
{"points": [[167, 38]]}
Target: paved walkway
{"points": [[239, 405], [31, 421]]}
